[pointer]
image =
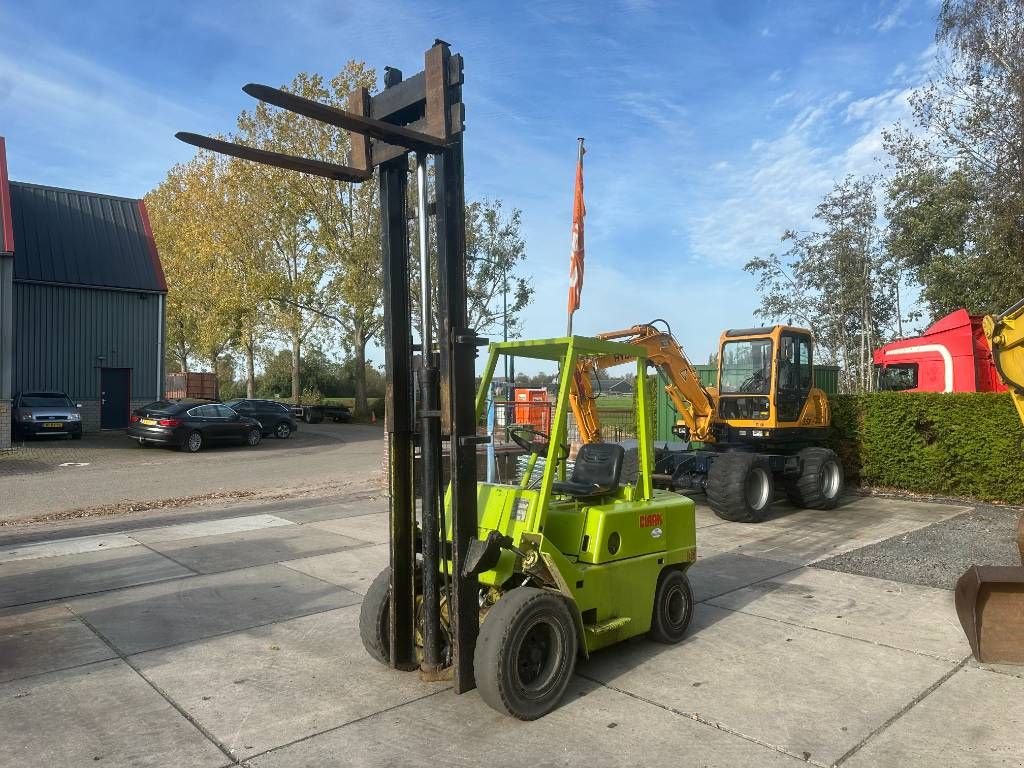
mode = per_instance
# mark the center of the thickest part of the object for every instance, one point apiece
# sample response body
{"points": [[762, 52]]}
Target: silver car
{"points": [[45, 413]]}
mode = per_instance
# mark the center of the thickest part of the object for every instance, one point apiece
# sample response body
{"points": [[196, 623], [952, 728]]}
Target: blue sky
{"points": [[711, 127]]}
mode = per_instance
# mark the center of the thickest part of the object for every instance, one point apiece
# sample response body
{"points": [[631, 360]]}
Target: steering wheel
{"points": [[526, 437], [758, 380]]}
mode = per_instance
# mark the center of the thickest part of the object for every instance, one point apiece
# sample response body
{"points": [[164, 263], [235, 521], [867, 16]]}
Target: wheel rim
{"points": [[830, 480], [195, 441], [283, 430], [537, 658], [254, 437], [676, 606], [757, 488]]}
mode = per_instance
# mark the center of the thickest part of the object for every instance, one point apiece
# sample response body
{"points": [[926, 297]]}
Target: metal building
{"points": [[83, 304]]}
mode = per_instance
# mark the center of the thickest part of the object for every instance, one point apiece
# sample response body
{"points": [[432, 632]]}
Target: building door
{"points": [[115, 397]]}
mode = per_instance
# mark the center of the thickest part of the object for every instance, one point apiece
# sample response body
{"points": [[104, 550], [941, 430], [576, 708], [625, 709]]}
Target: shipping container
{"points": [[192, 385]]}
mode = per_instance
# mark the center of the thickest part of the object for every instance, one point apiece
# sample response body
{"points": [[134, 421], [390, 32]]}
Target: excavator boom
{"points": [[695, 404]]}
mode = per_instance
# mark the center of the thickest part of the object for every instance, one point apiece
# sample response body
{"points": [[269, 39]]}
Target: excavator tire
{"points": [[820, 482], [740, 487]]}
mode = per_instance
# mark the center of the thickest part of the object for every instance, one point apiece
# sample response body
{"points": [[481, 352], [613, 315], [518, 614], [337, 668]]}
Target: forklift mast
{"points": [[423, 114]]}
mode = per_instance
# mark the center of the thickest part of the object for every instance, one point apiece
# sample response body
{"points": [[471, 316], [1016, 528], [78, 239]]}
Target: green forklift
{"points": [[566, 562]]}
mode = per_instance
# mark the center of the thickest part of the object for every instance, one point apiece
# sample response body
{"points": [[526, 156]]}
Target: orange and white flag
{"points": [[579, 211]]}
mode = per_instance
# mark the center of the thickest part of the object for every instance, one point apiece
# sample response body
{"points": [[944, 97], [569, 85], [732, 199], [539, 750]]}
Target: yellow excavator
{"points": [[764, 424], [990, 598]]}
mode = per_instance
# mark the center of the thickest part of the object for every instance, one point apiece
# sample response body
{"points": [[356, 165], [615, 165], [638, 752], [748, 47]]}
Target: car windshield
{"points": [[45, 401], [747, 367]]}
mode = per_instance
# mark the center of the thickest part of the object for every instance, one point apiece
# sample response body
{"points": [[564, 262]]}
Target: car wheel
{"points": [[254, 437], [193, 442], [283, 430], [142, 443]]}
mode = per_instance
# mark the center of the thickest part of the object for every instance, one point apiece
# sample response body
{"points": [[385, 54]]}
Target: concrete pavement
{"points": [[54, 477], [233, 640]]}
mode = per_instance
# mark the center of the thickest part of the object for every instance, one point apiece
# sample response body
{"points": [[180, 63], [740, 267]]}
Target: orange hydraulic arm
{"points": [[696, 404]]}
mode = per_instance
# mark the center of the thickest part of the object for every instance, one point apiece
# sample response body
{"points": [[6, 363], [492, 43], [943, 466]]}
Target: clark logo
{"points": [[650, 521]]}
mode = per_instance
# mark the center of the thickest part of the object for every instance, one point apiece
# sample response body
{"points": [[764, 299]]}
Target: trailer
{"points": [[314, 414]]}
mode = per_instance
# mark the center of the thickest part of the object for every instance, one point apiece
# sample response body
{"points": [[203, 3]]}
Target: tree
{"points": [[494, 250], [837, 281], [188, 213], [956, 199]]}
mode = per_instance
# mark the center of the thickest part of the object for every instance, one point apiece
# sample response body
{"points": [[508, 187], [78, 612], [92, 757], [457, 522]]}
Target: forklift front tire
{"points": [[673, 607], [526, 653], [373, 618]]}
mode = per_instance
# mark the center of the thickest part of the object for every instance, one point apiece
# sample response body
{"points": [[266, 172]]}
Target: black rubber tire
{"points": [[673, 607], [727, 487], [545, 620], [821, 480], [144, 443], [373, 618], [253, 437], [188, 446], [282, 430]]}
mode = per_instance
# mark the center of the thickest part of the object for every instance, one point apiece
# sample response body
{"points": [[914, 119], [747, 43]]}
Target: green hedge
{"points": [[966, 444]]}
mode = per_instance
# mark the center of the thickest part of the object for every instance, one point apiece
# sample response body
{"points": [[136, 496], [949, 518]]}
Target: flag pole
{"points": [[579, 164]]}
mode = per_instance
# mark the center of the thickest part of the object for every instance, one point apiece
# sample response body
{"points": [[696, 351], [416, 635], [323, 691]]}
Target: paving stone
{"points": [[975, 719], [812, 694], [920, 619], [181, 611], [352, 569], [373, 528], [720, 572], [269, 686], [208, 528], [69, 546], [353, 508], [594, 727], [101, 714], [213, 554], [45, 638], [46, 578]]}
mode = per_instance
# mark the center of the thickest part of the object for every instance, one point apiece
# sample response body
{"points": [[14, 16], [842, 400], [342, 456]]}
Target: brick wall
{"points": [[5, 425], [91, 412]]}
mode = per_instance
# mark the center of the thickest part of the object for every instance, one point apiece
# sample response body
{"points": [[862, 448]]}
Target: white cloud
{"points": [[893, 18], [775, 76]]}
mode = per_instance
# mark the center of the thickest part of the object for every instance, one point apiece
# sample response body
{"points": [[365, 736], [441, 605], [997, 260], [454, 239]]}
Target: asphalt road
{"points": [[48, 477]]}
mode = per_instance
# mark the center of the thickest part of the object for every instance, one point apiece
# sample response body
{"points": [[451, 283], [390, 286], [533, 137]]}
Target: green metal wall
{"points": [[826, 378], [64, 335]]}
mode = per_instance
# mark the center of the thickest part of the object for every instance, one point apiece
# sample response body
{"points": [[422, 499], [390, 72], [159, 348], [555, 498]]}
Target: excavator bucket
{"points": [[990, 604]]}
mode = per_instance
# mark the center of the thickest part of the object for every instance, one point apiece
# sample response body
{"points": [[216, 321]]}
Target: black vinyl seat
{"points": [[596, 471]]}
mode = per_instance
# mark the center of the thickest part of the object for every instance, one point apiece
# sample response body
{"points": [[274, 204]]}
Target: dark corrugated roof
{"points": [[67, 237], [6, 230]]}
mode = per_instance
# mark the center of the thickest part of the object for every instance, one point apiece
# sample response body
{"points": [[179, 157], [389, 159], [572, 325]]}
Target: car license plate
{"points": [[53, 424], [148, 422]]}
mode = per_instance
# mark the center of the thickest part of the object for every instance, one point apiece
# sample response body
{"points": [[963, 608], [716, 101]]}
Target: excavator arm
{"points": [[1005, 334], [696, 404]]}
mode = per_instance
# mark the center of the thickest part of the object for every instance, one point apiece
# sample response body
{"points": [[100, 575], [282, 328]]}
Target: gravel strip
{"points": [[936, 556]]}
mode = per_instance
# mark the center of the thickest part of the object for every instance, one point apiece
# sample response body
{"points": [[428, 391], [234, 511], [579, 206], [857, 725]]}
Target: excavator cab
{"points": [[766, 391]]}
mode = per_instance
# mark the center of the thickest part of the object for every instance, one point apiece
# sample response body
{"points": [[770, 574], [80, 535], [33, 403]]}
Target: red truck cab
{"points": [[952, 355]]}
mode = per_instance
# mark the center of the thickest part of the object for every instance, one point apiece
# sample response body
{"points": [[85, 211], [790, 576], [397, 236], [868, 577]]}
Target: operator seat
{"points": [[595, 473]]}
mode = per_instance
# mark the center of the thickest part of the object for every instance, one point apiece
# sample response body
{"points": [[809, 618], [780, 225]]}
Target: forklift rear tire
{"points": [[740, 487], [673, 607], [526, 653], [820, 483]]}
